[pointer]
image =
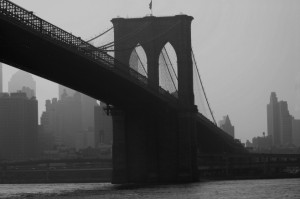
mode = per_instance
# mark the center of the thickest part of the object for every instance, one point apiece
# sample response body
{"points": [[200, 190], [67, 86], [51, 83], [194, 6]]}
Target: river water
{"points": [[239, 189]]}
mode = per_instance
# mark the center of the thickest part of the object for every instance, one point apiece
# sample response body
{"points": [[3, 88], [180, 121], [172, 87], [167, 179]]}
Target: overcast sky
{"points": [[245, 49]]}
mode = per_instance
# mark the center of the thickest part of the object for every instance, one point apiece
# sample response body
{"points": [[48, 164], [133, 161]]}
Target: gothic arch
{"points": [[168, 69], [138, 60]]}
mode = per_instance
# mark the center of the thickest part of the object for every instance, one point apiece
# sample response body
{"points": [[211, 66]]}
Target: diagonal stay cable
{"points": [[169, 71], [203, 89], [141, 62], [170, 62]]}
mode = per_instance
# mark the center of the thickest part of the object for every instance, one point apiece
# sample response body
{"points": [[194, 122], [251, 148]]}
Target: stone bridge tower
{"points": [[158, 146]]}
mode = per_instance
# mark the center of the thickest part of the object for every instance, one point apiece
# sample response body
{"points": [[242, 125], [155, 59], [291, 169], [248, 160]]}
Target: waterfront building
{"points": [[22, 79], [226, 126], [18, 126]]}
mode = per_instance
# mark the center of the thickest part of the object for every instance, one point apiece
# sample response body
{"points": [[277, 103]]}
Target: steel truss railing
{"points": [[30, 21]]}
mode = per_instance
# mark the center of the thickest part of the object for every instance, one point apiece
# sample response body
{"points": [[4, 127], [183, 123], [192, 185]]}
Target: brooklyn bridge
{"points": [[158, 132]]}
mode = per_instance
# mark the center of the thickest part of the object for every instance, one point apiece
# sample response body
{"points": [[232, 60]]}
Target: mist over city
{"points": [[145, 92]]}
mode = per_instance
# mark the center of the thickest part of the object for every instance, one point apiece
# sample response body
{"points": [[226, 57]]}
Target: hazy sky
{"points": [[244, 48]]}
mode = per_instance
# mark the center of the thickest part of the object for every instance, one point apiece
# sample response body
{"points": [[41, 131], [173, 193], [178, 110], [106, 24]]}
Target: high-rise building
{"points": [[63, 89], [226, 126], [87, 111], [273, 120], [22, 79], [279, 122], [103, 126], [296, 132], [18, 126], [1, 79], [285, 123], [87, 106], [70, 120]]}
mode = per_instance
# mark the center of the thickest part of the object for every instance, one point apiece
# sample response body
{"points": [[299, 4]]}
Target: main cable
{"points": [[100, 35], [203, 88]]}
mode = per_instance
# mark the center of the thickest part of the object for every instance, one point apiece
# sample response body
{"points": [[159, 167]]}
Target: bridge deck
{"points": [[34, 40]]}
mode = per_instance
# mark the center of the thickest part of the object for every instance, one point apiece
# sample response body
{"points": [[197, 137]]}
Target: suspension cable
{"points": [[141, 62], [169, 72], [100, 34], [170, 62], [210, 110]]}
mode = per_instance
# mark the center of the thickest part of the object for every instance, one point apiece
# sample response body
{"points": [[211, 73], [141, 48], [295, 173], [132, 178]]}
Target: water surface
{"points": [[239, 189]]}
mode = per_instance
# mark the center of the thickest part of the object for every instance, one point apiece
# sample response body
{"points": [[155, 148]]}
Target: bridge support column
{"points": [[156, 147], [119, 174], [187, 154]]}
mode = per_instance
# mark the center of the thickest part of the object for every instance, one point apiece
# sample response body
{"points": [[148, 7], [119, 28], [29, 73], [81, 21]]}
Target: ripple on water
{"points": [[239, 189]]}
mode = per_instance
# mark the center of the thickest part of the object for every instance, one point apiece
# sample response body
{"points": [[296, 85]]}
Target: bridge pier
{"points": [[187, 146], [153, 148]]}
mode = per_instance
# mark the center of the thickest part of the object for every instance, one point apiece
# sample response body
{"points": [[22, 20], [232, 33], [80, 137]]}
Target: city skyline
{"points": [[241, 59]]}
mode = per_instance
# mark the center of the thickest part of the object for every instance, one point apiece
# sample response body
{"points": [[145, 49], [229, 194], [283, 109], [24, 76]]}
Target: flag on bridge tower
{"points": [[150, 6]]}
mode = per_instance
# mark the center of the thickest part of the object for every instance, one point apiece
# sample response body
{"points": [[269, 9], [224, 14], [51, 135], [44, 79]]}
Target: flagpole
{"points": [[151, 9], [150, 6]]}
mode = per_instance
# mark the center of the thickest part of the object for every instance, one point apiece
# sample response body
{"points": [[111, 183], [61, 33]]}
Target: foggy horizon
{"points": [[244, 49]]}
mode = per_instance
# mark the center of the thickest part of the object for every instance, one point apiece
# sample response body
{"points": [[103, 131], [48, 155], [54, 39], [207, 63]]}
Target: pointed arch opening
{"points": [[168, 69], [138, 60]]}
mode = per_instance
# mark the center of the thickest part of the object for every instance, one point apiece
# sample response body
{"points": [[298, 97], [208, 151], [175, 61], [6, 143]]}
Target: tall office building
{"points": [[87, 106], [226, 126], [63, 89], [18, 126], [285, 123], [22, 80], [279, 122], [1, 78], [273, 120], [70, 120], [296, 132], [103, 126]]}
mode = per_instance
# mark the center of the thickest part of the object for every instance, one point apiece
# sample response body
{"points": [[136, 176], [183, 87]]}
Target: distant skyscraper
{"points": [[285, 123], [296, 132], [61, 89], [279, 122], [273, 120], [87, 106], [22, 79], [1, 79], [18, 127], [226, 126], [70, 120]]}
